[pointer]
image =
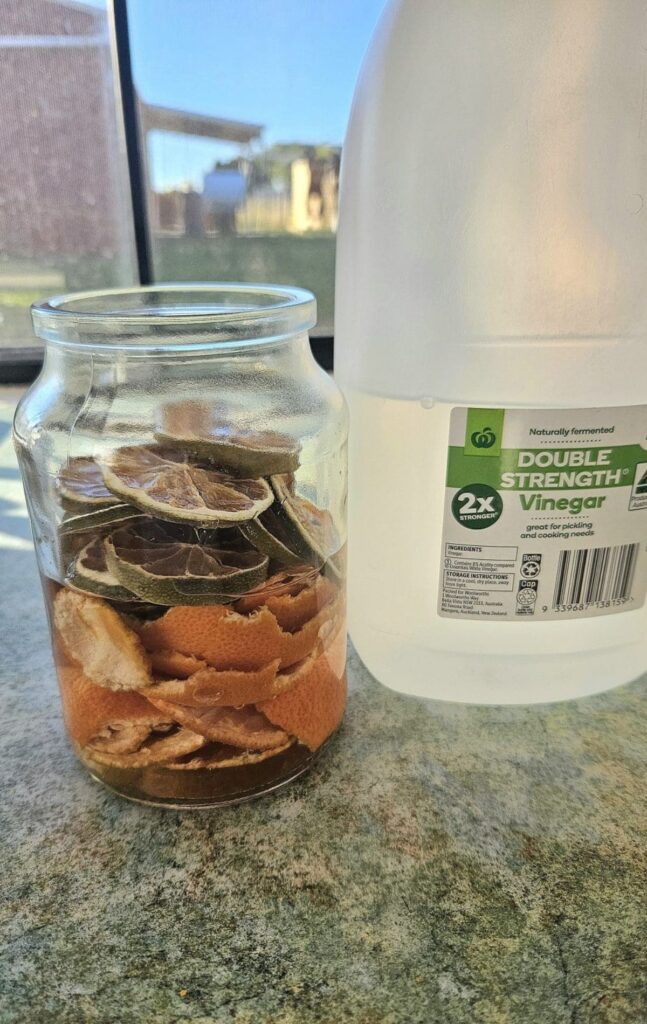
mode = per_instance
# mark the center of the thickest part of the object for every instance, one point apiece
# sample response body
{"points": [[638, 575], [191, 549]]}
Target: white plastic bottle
{"points": [[491, 319]]}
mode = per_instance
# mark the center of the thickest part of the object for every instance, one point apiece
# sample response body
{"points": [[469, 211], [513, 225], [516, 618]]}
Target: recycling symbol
{"points": [[529, 570]]}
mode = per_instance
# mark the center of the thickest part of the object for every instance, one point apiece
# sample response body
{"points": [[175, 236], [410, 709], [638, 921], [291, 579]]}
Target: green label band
{"points": [[542, 469]]}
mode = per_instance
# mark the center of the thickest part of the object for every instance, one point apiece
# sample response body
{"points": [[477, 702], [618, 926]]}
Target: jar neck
{"points": [[289, 354], [187, 317]]}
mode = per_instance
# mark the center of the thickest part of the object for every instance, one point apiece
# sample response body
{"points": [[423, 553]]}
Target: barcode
{"points": [[587, 575]]}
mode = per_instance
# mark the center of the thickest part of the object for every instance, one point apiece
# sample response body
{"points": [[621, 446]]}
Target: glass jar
{"points": [[184, 462]]}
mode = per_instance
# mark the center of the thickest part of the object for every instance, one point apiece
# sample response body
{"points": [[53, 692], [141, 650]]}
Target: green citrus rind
{"points": [[240, 460], [259, 532], [309, 530], [91, 574], [169, 485], [195, 426], [80, 485], [100, 517], [143, 562]]}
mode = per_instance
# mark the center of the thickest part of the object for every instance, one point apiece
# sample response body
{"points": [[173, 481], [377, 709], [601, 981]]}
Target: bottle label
{"points": [[545, 514]]}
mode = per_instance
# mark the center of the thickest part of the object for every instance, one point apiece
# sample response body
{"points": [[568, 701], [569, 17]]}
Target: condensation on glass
{"points": [[184, 462], [65, 214]]}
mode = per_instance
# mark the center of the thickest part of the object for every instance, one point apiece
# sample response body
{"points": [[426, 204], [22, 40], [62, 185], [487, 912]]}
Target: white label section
{"points": [[545, 514]]}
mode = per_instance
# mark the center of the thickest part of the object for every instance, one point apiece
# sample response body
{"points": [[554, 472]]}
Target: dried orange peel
{"points": [[237, 727], [93, 713], [160, 748], [228, 640], [174, 663], [219, 755], [210, 687], [312, 708], [291, 610], [288, 581], [95, 636]]}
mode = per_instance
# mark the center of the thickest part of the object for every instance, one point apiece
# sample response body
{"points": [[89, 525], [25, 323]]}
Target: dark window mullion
{"points": [[134, 142]]}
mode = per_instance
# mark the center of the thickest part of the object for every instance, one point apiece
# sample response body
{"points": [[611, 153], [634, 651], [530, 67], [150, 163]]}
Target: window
{"points": [[243, 106], [65, 213]]}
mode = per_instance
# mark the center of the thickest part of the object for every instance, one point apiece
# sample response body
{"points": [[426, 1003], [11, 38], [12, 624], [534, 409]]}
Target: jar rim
{"points": [[184, 315]]}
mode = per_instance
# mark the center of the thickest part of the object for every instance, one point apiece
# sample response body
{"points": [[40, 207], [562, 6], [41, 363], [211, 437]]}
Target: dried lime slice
{"points": [[91, 574], [150, 561], [273, 534], [308, 531], [173, 486], [100, 517], [80, 485], [196, 427]]}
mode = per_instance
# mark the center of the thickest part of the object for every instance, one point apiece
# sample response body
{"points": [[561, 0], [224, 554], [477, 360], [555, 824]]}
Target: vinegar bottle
{"points": [[491, 318]]}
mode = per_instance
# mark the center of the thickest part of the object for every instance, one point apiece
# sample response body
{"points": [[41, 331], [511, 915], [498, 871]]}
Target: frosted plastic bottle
{"points": [[491, 318]]}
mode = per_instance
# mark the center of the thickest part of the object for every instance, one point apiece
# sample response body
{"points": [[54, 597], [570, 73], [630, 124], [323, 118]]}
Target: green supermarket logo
{"points": [[483, 438], [483, 432]]}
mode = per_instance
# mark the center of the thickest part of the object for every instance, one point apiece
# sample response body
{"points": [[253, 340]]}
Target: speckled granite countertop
{"points": [[442, 864]]}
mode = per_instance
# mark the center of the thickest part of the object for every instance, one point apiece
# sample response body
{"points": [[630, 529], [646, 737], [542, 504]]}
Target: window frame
{"points": [[22, 365]]}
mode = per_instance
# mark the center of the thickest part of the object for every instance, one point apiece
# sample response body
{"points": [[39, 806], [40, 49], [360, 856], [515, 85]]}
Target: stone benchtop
{"points": [[441, 863]]}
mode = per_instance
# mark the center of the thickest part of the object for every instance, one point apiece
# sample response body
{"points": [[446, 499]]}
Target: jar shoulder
{"points": [[102, 406]]}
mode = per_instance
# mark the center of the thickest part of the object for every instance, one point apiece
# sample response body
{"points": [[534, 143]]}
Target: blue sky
{"points": [[290, 65]]}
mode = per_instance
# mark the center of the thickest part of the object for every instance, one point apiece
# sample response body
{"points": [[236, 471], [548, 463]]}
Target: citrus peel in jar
{"points": [[210, 687], [312, 708], [226, 639], [80, 485], [219, 755], [95, 635], [244, 727]]}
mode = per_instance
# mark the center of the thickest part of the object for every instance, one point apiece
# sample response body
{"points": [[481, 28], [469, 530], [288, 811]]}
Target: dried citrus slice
{"points": [[237, 727], [80, 485], [228, 640], [91, 574], [99, 518], [303, 528], [152, 563], [197, 427], [171, 485], [273, 534], [312, 708], [219, 755], [98, 639]]}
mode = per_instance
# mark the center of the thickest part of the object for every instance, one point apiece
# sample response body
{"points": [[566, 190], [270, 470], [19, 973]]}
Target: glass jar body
{"points": [[188, 512]]}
